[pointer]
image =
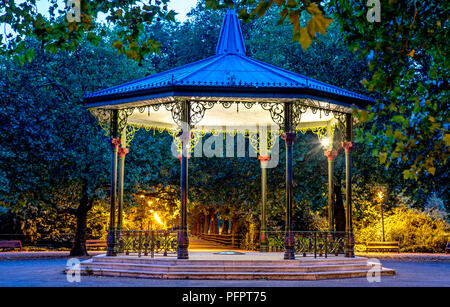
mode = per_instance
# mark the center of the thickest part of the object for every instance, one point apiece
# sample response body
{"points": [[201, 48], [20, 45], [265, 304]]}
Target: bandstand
{"points": [[227, 93]]}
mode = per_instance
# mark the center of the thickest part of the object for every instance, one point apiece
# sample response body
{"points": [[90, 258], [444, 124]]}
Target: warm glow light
{"points": [[149, 202], [380, 195], [142, 196], [325, 142], [158, 219]]}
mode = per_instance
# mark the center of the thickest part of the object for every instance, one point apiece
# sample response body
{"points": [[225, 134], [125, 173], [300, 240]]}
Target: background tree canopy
{"points": [[54, 166]]}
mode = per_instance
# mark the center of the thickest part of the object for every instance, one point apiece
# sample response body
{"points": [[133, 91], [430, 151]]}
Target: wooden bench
{"points": [[95, 243], [11, 244], [384, 246], [447, 248]]}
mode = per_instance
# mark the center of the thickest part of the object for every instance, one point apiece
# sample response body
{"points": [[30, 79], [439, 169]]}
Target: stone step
{"points": [[196, 262], [232, 275], [225, 268]]}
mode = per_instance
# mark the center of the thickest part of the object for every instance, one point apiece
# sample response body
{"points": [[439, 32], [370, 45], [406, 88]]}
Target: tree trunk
{"points": [[206, 223], [214, 223], [79, 242], [234, 228], [225, 226], [339, 211], [199, 223]]}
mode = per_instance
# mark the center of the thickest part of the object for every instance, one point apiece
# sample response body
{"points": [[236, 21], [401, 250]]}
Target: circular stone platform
{"points": [[252, 265]]}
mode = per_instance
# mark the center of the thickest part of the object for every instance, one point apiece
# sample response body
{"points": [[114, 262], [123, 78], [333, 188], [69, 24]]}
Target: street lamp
{"points": [[150, 226], [380, 196], [325, 142]]}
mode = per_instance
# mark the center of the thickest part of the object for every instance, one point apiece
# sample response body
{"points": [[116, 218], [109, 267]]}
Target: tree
{"points": [[54, 154], [67, 29], [409, 73]]}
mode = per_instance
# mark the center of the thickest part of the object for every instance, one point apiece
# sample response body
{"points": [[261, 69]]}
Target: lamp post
{"points": [[380, 196]]}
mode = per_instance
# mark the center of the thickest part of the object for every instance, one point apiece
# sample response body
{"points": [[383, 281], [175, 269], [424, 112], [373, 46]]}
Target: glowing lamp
{"points": [[380, 195], [325, 142], [158, 219]]}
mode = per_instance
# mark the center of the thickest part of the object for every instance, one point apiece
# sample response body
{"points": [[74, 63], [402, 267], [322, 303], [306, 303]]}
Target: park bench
{"points": [[95, 243], [447, 248], [384, 246], [11, 244]]}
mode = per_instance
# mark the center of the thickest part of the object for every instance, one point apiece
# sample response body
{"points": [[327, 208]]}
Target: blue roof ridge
{"points": [[274, 68], [259, 63]]}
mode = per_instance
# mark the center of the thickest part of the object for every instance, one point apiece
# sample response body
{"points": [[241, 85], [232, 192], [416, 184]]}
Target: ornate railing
{"points": [[317, 243], [146, 242]]}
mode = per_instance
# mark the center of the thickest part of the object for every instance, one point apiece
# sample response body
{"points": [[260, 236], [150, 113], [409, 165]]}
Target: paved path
{"points": [[49, 272], [199, 245], [46, 269]]}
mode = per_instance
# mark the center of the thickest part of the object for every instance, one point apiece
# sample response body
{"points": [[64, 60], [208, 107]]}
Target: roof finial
{"points": [[230, 39]]}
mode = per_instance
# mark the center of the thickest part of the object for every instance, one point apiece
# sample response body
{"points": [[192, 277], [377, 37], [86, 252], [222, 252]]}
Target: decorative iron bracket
{"points": [[198, 109], [276, 110], [177, 111], [105, 119]]}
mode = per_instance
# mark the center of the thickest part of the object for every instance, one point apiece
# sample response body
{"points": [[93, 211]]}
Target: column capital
{"points": [[115, 143], [289, 137], [348, 146], [263, 158], [123, 152], [330, 154], [180, 156]]}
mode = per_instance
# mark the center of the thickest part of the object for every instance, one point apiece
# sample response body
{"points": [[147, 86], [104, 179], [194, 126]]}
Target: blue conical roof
{"points": [[230, 73], [230, 38]]}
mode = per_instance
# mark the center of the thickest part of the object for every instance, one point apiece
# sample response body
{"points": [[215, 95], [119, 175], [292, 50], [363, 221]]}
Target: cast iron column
{"points": [[330, 154], [263, 237], [183, 239], [348, 146], [122, 153], [115, 142], [289, 137]]}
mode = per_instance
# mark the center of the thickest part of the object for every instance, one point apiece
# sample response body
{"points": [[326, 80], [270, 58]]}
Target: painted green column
{"points": [[348, 146], [330, 154], [264, 247], [123, 151], [289, 137], [183, 239], [115, 142]]}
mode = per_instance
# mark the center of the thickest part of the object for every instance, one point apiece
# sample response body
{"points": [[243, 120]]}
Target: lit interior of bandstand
{"points": [[238, 115]]}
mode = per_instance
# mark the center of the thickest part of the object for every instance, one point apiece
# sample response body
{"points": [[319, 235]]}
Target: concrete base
{"points": [[249, 266]]}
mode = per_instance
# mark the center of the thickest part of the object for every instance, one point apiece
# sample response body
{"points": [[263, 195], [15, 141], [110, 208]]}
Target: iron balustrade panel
{"points": [[147, 242], [315, 243]]}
